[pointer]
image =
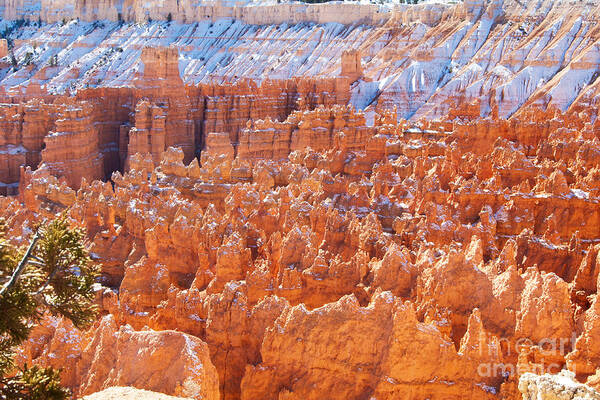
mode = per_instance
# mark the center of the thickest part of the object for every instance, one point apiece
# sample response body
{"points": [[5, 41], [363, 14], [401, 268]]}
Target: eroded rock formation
{"points": [[405, 208], [319, 226]]}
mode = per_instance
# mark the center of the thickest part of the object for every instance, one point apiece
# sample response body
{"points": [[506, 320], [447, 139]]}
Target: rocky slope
{"points": [[404, 206]]}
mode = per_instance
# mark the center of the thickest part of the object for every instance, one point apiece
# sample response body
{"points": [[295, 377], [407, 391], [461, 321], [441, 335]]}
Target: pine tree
{"points": [[55, 275], [13, 59]]}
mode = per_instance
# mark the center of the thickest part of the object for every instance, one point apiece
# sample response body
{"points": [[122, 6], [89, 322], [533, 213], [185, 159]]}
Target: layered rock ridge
{"points": [[95, 132]]}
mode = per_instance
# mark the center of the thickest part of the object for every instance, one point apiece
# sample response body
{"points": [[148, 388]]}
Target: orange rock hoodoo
{"points": [[352, 64], [382, 239], [351, 233]]}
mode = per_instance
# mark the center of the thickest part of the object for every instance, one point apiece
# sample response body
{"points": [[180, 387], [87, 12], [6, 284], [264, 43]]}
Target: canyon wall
{"points": [[501, 58], [71, 149], [187, 11], [24, 127]]}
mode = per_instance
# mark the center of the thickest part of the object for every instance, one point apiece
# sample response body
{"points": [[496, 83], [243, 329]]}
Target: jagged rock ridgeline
{"points": [[165, 361]]}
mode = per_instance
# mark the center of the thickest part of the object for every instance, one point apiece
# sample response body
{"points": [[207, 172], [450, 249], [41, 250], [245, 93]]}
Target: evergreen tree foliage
{"points": [[55, 275]]}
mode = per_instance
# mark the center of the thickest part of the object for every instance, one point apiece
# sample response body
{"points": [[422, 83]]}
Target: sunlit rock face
{"points": [[290, 201], [129, 393]]}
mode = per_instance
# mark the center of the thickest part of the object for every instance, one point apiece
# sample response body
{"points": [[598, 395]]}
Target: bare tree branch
{"points": [[45, 285], [21, 266]]}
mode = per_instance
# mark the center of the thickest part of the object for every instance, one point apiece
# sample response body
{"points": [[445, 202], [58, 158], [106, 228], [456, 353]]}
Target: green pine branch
{"points": [[53, 274]]}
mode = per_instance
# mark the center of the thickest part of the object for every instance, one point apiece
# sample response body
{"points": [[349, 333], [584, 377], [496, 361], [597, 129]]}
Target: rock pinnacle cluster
{"points": [[344, 200]]}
